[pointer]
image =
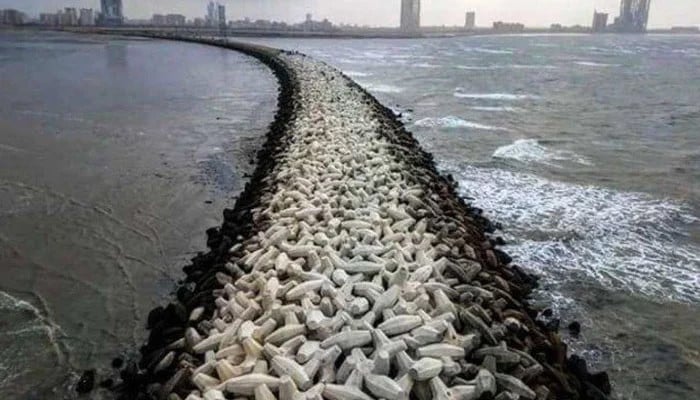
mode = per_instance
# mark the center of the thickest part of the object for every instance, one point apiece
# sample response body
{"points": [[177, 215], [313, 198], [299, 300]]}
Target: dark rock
{"points": [[107, 383], [593, 393], [504, 258], [548, 313], [86, 382], [578, 367], [575, 329], [601, 380], [117, 363], [553, 325], [153, 318]]}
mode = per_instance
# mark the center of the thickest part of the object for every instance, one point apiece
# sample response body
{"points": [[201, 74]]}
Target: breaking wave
{"points": [[496, 109], [493, 96], [26, 336], [530, 150], [455, 122], [566, 232], [381, 88], [595, 64], [357, 74]]}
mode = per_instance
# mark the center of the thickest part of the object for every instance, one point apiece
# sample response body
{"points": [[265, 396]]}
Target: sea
{"points": [[116, 155]]}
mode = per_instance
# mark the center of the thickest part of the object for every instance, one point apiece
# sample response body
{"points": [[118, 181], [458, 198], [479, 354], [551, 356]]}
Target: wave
{"points": [[530, 150], [455, 122], [357, 74], [496, 109], [487, 50], [493, 96], [26, 335], [596, 64], [509, 66], [425, 65], [381, 88], [566, 232]]}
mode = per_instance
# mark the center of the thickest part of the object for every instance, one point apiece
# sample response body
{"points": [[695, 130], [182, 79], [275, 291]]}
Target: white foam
{"points": [[595, 64], [496, 109], [455, 122], [530, 150], [381, 88], [357, 74], [508, 66], [493, 96], [487, 50], [25, 323], [425, 65], [566, 232]]}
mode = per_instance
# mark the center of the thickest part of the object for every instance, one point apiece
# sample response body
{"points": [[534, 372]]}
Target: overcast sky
{"points": [[664, 13]]}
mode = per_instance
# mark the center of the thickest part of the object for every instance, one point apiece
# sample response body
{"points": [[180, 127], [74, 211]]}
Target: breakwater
{"points": [[350, 269]]}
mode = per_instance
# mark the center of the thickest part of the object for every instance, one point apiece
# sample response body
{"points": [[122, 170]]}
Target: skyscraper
{"points": [[212, 14], [112, 12], [600, 22], [634, 16], [470, 20], [410, 15], [221, 11]]}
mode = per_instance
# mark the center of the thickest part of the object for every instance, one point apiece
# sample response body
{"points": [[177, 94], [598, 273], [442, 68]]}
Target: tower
{"points": [[410, 15], [112, 12], [470, 20]]}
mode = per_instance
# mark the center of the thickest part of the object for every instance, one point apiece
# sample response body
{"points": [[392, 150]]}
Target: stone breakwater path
{"points": [[350, 270]]}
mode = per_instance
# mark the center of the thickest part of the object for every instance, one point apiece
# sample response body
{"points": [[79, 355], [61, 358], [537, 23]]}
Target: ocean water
{"points": [[115, 157], [586, 149]]}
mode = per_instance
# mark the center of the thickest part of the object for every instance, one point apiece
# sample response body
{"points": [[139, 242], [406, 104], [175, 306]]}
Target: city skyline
{"points": [[387, 13]]}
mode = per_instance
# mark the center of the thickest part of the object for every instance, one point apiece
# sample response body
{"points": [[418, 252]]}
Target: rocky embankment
{"points": [[350, 269]]}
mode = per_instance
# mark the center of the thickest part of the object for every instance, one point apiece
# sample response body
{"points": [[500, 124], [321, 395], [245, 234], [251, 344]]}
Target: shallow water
{"points": [[586, 149], [115, 157]]}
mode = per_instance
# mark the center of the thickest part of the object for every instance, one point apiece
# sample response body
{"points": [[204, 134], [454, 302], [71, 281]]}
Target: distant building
{"points": [[309, 18], [175, 20], [112, 13], [410, 15], [69, 17], [470, 20], [685, 29], [212, 16], [158, 20], [12, 17], [221, 11], [508, 27], [634, 16], [600, 22], [48, 19], [87, 17], [199, 22]]}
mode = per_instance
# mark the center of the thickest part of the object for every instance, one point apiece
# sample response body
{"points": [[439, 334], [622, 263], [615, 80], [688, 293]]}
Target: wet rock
{"points": [[574, 329], [86, 382]]}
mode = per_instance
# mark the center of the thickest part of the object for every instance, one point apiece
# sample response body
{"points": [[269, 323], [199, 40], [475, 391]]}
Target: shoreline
{"points": [[562, 376]]}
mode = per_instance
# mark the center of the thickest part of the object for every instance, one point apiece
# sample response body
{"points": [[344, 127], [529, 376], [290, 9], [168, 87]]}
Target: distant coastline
{"points": [[368, 33]]}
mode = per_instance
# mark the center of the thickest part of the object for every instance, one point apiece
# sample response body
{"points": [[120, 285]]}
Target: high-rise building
{"points": [[212, 17], [112, 13], [87, 17], [69, 17], [470, 20], [600, 22], [221, 13], [175, 20], [634, 16], [410, 15], [11, 17]]}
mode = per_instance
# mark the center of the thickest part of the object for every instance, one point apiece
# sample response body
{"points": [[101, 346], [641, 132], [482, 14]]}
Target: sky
{"points": [[536, 13]]}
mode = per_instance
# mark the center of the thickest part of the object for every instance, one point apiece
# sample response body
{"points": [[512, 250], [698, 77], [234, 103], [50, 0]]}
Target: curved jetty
{"points": [[350, 269]]}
